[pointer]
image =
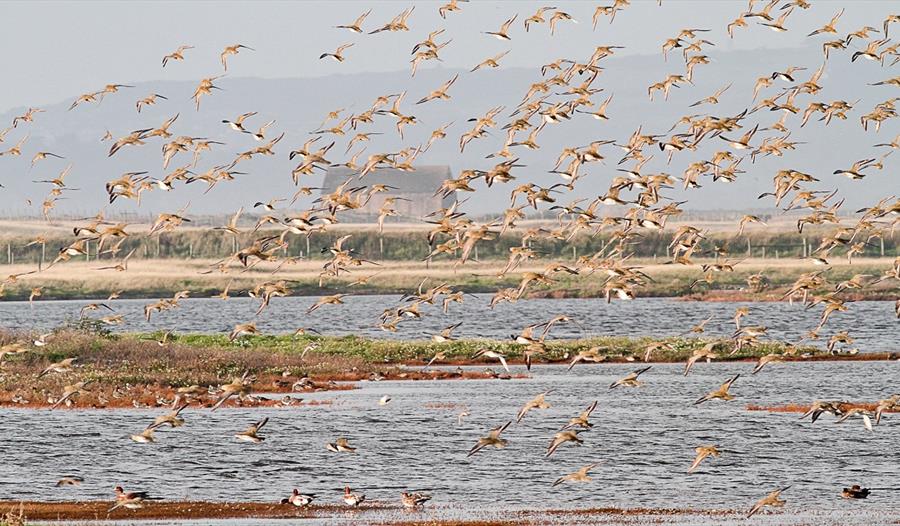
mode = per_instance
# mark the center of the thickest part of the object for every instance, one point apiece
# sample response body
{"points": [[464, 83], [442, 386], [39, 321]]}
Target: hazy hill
{"points": [[299, 105]]}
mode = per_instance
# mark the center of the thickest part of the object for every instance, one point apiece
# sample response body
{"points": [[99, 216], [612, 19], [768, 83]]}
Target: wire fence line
{"points": [[413, 245]]}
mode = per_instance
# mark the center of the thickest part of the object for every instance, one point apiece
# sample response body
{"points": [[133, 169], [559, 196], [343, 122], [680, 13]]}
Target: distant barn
{"points": [[417, 186]]}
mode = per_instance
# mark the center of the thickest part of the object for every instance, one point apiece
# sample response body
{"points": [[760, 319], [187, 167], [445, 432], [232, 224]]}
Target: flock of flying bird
{"points": [[565, 88]]}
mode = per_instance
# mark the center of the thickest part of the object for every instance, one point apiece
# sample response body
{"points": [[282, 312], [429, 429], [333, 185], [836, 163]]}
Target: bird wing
{"points": [[503, 362], [756, 507], [697, 460], [554, 444], [478, 447], [867, 422]]}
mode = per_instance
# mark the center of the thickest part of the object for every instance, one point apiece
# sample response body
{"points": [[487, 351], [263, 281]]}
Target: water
{"points": [[644, 435], [871, 323]]}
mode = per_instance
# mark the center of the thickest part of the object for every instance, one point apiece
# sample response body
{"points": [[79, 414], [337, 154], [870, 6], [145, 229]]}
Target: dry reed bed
{"points": [[152, 278]]}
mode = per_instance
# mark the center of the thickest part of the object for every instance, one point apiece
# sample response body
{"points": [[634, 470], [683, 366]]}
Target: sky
{"points": [[54, 49]]}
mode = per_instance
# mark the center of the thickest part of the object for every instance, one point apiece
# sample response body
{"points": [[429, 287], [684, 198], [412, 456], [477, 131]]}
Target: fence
{"points": [[413, 245]]}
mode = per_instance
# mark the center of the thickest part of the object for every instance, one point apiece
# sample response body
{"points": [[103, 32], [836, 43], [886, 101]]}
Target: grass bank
{"points": [[127, 370]]}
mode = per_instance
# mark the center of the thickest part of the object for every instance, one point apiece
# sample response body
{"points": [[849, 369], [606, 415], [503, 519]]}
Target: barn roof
{"points": [[424, 180]]}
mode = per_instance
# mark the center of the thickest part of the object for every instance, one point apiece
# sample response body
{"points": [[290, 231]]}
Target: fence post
{"points": [[381, 246], [308, 253], [749, 252], [8, 254], [882, 245], [43, 247], [764, 252]]}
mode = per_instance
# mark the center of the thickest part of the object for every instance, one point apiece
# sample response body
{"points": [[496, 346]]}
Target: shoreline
{"points": [[148, 370], [803, 408], [284, 397], [95, 510]]}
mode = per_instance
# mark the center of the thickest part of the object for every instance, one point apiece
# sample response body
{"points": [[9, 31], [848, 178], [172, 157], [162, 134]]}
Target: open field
{"points": [[187, 260], [160, 278]]}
